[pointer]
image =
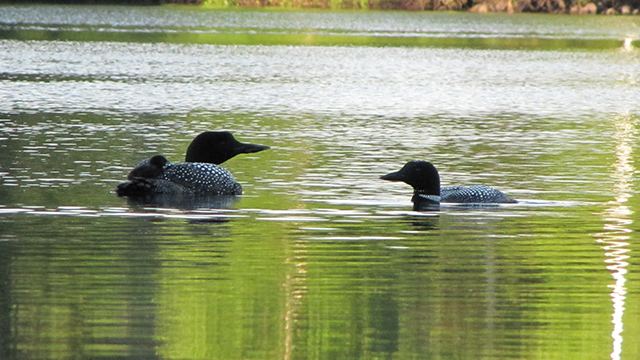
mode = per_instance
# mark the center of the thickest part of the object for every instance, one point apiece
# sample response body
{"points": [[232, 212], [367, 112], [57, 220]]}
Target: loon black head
{"points": [[151, 170], [216, 147], [422, 175]]}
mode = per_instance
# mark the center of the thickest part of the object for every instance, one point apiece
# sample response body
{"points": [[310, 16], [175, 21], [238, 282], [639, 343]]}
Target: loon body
{"points": [[425, 180], [199, 174]]}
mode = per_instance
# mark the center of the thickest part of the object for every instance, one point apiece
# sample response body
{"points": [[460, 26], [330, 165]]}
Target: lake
{"points": [[319, 258]]}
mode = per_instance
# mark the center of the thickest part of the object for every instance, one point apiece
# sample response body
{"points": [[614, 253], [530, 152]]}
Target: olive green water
{"points": [[319, 259]]}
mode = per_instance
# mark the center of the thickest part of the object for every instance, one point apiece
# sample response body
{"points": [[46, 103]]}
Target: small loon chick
{"points": [[151, 169], [425, 180], [200, 174]]}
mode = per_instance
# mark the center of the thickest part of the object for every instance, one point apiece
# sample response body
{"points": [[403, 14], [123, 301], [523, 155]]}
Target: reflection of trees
{"points": [[437, 292], [7, 326], [78, 295], [123, 2], [384, 323], [343, 301]]}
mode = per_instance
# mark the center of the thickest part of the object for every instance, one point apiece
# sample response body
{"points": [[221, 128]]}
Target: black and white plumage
{"points": [[474, 194], [202, 178], [425, 180], [199, 175]]}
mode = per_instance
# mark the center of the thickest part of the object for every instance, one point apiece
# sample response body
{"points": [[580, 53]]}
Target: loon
{"points": [[199, 174], [149, 169], [427, 193]]}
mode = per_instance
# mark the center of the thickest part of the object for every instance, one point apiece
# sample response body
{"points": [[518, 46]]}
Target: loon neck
{"points": [[425, 196], [433, 191], [425, 202]]}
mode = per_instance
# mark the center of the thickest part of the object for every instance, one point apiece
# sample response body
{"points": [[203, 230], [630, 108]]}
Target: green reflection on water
{"points": [[448, 287], [197, 25], [311, 39]]}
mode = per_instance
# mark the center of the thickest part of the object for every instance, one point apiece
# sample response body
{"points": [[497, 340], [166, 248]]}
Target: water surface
{"points": [[319, 259]]}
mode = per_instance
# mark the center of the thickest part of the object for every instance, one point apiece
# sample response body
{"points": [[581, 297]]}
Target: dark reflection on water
{"points": [[80, 288], [182, 202]]}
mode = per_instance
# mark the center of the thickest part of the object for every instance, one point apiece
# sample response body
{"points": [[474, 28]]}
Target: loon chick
{"points": [[151, 169], [200, 174], [425, 180], [146, 178]]}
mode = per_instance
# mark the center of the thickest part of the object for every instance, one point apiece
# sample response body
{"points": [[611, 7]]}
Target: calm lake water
{"points": [[319, 259]]}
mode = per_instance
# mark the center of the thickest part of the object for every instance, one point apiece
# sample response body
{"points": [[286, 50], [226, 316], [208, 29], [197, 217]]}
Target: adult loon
{"points": [[427, 193], [199, 174]]}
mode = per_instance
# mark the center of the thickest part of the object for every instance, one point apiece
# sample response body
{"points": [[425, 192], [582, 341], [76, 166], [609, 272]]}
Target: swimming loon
{"points": [[425, 180], [199, 174]]}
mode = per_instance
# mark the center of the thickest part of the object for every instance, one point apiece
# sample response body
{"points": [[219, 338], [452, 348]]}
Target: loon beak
{"points": [[394, 176], [243, 148]]}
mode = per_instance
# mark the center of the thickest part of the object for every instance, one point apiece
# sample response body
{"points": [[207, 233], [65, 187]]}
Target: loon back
{"points": [[473, 194], [202, 178], [184, 178]]}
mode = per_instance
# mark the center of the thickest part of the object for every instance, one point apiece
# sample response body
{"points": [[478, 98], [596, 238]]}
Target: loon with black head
{"points": [[427, 193], [199, 174]]}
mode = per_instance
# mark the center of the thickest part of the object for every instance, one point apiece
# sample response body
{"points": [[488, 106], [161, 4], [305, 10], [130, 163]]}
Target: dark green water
{"points": [[319, 259]]}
